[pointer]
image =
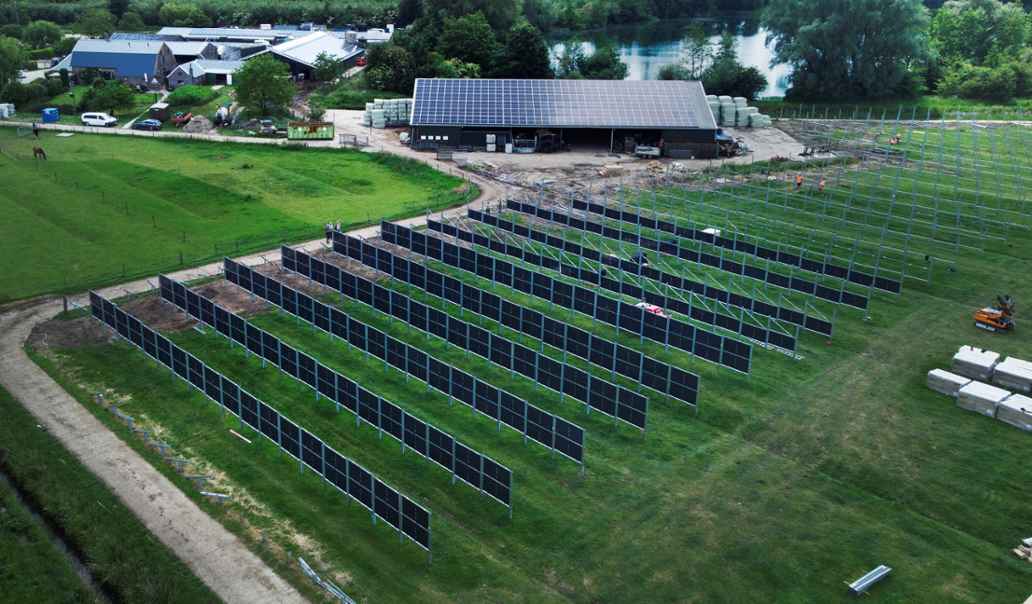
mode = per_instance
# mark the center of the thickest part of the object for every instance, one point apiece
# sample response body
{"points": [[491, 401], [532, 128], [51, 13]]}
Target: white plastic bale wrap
{"points": [[945, 382], [1013, 373], [1016, 410], [975, 363], [981, 398]]}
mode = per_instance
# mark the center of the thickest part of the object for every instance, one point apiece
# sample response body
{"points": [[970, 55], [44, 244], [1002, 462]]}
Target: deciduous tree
{"points": [[263, 86], [854, 49]]}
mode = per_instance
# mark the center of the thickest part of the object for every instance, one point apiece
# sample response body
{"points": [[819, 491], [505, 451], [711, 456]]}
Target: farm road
{"points": [[214, 554]]}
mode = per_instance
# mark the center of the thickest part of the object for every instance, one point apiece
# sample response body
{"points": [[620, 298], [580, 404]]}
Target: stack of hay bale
{"points": [[736, 112], [727, 111], [714, 107], [387, 113]]}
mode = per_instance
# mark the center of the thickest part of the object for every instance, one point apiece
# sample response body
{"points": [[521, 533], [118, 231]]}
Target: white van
{"points": [[98, 119]]}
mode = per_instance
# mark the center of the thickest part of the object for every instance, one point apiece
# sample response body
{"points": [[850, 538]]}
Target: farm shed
{"points": [[203, 71], [300, 54], [135, 61], [600, 113]]}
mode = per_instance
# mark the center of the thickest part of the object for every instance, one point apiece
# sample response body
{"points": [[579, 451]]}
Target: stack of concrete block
{"points": [[975, 363], [1016, 410], [1013, 373], [945, 382], [981, 398]]}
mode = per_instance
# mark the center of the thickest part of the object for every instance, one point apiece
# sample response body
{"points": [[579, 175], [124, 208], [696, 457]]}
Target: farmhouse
{"points": [[528, 114], [204, 71], [134, 61]]}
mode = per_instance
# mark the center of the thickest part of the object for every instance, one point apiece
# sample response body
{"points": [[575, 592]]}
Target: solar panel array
{"points": [[350, 478], [665, 330], [561, 104], [594, 392], [616, 358], [533, 423], [470, 466], [773, 311], [775, 254], [729, 265], [698, 312]]}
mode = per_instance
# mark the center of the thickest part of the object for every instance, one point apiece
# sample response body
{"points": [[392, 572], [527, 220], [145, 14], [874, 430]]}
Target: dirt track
{"points": [[214, 554]]}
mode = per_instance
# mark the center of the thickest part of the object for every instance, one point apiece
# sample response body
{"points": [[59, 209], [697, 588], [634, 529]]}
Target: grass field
{"points": [[127, 561], [787, 482], [105, 208], [928, 105]]}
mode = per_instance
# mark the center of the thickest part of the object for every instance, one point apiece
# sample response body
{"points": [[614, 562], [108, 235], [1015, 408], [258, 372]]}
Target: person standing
{"points": [[35, 129], [329, 231]]}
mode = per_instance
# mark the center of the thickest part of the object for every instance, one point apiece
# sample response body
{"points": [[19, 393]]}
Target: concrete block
{"points": [[981, 398], [1013, 374], [945, 382]]}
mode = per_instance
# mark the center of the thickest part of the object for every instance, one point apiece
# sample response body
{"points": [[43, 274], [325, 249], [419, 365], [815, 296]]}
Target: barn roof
{"points": [[125, 57], [622, 104]]}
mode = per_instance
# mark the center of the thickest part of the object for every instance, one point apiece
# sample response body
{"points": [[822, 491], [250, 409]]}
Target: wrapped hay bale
{"points": [[981, 398], [1016, 410], [740, 101], [1014, 374], [945, 382], [975, 363]]}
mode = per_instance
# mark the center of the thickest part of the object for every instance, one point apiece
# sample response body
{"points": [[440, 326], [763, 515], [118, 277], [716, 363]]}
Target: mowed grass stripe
{"points": [[108, 205]]}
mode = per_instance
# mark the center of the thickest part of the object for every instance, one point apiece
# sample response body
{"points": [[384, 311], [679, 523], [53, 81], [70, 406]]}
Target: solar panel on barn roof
{"points": [[561, 104]]}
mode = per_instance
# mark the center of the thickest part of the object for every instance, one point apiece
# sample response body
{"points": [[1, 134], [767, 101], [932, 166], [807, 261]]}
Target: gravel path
{"points": [[214, 554]]}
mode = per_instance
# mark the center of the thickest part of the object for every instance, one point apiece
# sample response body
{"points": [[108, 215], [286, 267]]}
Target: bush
{"points": [[12, 30], [999, 83], [190, 95], [54, 86], [15, 92], [40, 53], [64, 46], [107, 96]]}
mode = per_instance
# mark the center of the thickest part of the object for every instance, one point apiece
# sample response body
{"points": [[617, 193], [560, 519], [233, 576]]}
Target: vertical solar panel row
{"points": [[473, 468], [759, 307], [383, 501], [664, 330], [695, 311], [616, 358], [850, 273], [533, 423], [595, 393], [728, 265]]}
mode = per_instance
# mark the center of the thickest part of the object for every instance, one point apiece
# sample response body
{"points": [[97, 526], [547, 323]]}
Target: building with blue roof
{"points": [[132, 61]]}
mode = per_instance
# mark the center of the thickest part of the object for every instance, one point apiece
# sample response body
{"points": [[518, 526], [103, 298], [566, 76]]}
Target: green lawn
{"points": [[920, 108], [126, 560], [787, 482], [103, 209]]}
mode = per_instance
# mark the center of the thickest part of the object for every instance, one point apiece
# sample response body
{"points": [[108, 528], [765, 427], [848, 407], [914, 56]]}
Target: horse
{"points": [[38, 153]]}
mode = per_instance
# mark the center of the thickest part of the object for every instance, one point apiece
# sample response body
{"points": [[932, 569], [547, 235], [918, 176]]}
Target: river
{"points": [[646, 48]]}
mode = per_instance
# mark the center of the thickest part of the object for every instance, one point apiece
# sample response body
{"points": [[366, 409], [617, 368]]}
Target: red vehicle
{"points": [[361, 62], [652, 308]]}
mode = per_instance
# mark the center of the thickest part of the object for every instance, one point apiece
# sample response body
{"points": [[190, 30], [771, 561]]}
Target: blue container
{"points": [[51, 115]]}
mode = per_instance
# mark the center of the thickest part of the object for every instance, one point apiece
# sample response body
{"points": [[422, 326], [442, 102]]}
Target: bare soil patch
{"points": [[157, 314], [231, 297], [75, 333]]}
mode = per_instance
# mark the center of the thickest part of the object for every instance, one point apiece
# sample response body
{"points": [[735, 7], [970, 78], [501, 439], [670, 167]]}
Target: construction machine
{"points": [[998, 317]]}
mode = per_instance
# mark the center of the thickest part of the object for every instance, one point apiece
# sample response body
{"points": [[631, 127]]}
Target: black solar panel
{"points": [[561, 104]]}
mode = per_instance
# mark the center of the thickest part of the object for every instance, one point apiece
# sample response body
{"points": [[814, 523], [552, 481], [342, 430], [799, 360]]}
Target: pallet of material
{"points": [[981, 398], [945, 382], [1016, 410], [1013, 374], [975, 363]]}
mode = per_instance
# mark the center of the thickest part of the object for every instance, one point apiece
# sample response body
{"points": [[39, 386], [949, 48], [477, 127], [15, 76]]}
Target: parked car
{"points": [[98, 119], [148, 124], [266, 127]]}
